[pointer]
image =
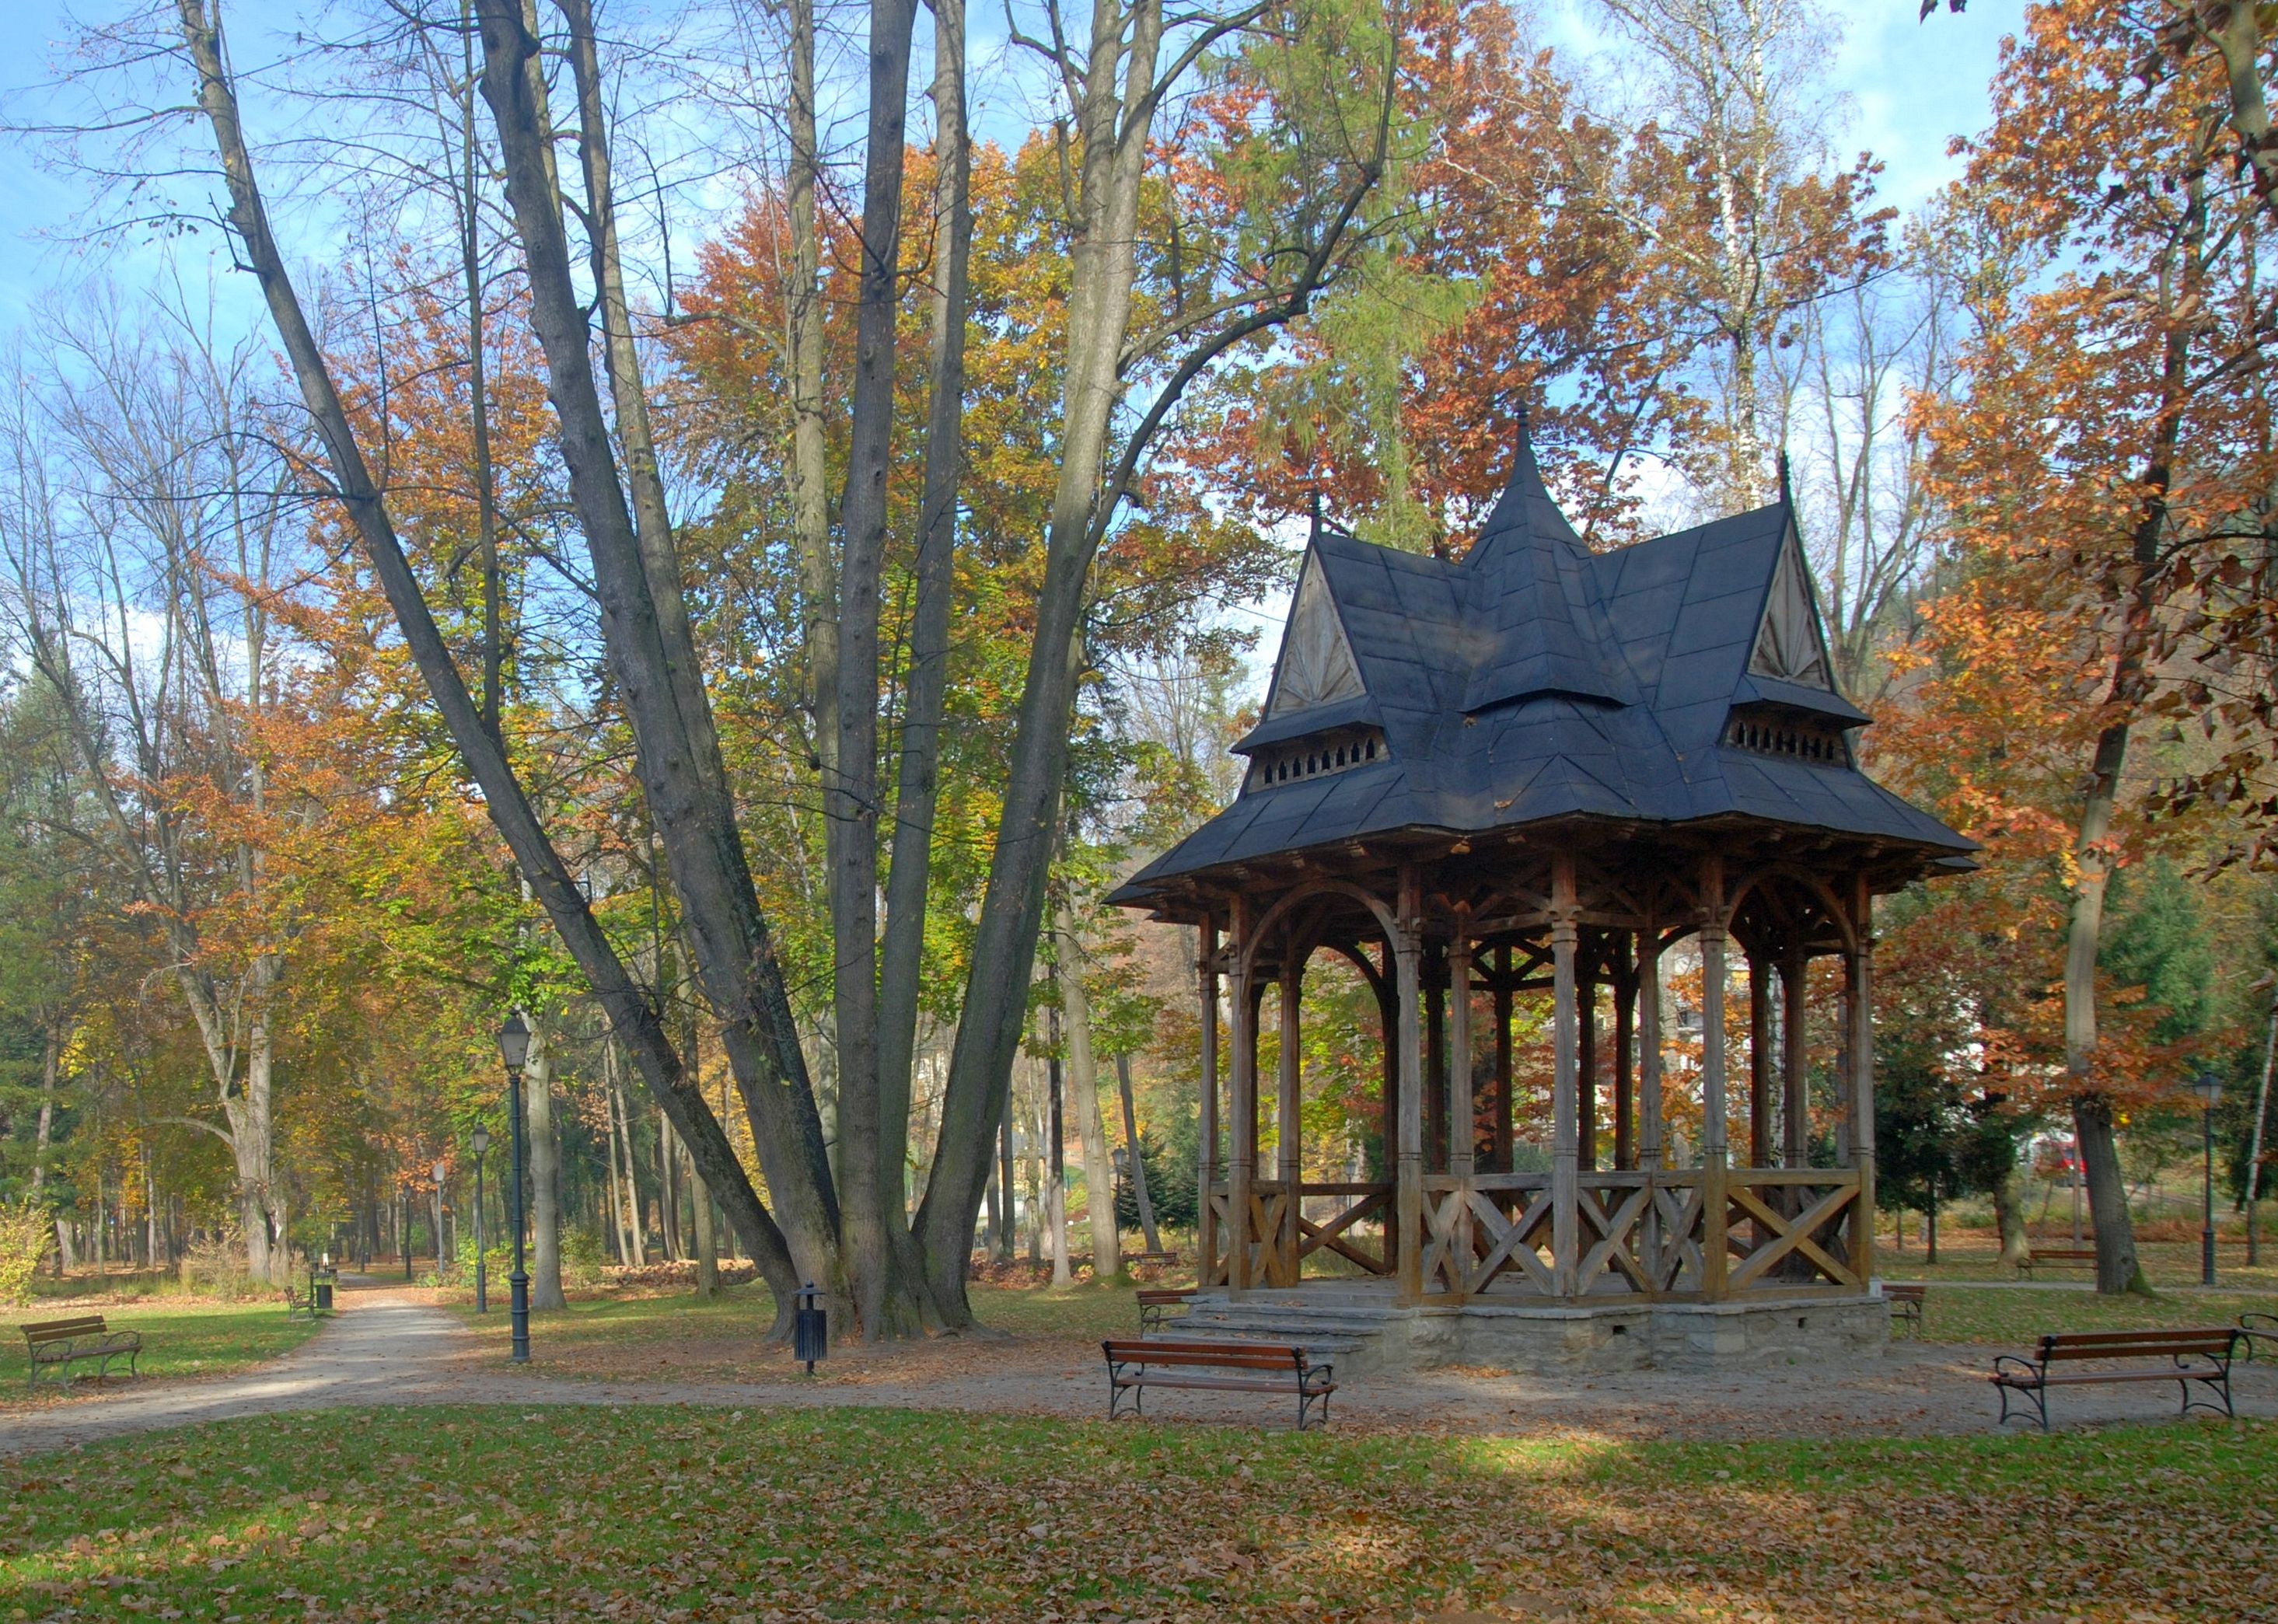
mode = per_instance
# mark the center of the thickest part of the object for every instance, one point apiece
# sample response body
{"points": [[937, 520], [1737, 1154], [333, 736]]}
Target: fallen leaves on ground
{"points": [[680, 1513]]}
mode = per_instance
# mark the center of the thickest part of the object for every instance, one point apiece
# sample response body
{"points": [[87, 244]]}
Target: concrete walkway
{"points": [[384, 1350]]}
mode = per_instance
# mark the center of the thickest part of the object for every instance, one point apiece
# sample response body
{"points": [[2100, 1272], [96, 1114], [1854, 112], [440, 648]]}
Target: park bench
{"points": [[61, 1343], [2202, 1355], [1157, 1304], [2256, 1327], [1907, 1305], [2058, 1257], [303, 1305], [1239, 1367], [1166, 1259]]}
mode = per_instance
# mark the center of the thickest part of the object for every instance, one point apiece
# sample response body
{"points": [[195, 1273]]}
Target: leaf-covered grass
{"points": [[179, 1339], [2014, 1319], [657, 1334], [635, 1514]]}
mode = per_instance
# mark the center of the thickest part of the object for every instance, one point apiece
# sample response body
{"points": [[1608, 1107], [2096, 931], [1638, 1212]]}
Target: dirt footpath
{"points": [[395, 1348]]}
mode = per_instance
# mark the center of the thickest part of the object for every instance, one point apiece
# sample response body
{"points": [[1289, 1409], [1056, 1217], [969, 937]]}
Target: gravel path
{"points": [[391, 1348]]}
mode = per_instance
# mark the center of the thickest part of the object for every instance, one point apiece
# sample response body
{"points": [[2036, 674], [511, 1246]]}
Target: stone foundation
{"points": [[1366, 1334]]}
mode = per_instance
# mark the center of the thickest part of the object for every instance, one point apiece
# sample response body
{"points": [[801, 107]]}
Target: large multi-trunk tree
{"points": [[840, 1219]]}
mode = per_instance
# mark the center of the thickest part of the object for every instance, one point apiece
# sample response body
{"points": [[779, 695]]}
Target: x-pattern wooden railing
{"points": [[1824, 1196], [1334, 1234]]}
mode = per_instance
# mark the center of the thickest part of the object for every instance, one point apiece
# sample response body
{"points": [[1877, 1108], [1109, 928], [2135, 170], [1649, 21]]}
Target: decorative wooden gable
{"points": [[1317, 665], [1791, 647]]}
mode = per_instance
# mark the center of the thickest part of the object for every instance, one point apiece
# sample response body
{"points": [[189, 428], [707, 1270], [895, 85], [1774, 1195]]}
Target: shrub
{"points": [[27, 1229], [215, 1266]]}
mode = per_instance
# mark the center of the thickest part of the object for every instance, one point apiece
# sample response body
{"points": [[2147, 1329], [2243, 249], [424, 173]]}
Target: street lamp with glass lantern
{"points": [[480, 1141], [2208, 1086], [514, 1048]]}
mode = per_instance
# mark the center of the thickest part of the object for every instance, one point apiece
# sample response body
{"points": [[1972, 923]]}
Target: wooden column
{"points": [[1207, 1169], [1859, 1024], [1242, 1104], [1585, 1091], [1565, 1039], [1463, 1105], [1715, 1154], [1387, 1020], [1648, 994], [1502, 1139], [1795, 1080], [1287, 1119], [1435, 1059], [1407, 1191], [1625, 1047], [1651, 1242], [1760, 1063]]}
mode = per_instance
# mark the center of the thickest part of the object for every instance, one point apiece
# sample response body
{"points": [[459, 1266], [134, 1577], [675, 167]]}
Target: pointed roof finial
{"points": [[1315, 534], [1786, 491]]}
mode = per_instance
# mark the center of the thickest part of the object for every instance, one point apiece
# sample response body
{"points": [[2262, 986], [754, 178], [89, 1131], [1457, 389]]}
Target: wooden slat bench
{"points": [[2202, 1354], [2058, 1257], [61, 1343], [1244, 1367], [1157, 1304], [1906, 1302]]}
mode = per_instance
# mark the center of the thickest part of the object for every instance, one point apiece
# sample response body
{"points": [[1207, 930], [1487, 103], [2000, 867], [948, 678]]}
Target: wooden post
{"points": [[1586, 1092], [1462, 1104], [1435, 1059], [1859, 1009], [1651, 1242], [1408, 1195], [1714, 1151], [1795, 1115], [1760, 1063], [1502, 1137], [1624, 1051], [1565, 1039], [1283, 1270], [1207, 1272], [1242, 1104]]}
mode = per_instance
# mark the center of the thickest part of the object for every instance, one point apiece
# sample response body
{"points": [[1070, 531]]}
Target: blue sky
{"points": [[1904, 89]]}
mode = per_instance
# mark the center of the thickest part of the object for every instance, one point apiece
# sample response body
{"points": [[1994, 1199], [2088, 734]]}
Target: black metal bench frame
{"points": [[65, 1351], [2264, 1328], [2031, 1378], [1281, 1368]]}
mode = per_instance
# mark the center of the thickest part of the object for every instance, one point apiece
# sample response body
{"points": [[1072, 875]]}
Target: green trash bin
{"points": [[323, 1284]]}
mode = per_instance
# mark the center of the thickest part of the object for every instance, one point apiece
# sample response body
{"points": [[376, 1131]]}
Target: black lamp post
{"points": [[514, 1048], [2208, 1086], [480, 1139], [407, 1230]]}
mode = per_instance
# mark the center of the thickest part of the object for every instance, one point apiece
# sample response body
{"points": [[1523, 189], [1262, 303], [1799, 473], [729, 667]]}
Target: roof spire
{"points": [[1786, 491], [1315, 534]]}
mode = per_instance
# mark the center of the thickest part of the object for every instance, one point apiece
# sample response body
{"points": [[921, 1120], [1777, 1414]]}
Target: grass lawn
{"points": [[650, 1333], [179, 1339], [2015, 1319], [696, 1515]]}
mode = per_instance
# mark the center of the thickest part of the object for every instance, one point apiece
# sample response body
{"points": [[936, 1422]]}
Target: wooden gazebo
{"points": [[1536, 770]]}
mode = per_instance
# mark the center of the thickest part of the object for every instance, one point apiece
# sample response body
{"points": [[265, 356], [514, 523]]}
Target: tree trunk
{"points": [[2009, 1216], [758, 1014], [902, 957], [2117, 1269], [1139, 1190], [809, 470], [1083, 1077], [707, 1237], [545, 1152]]}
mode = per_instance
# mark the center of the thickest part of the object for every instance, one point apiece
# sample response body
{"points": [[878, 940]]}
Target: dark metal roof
{"points": [[1536, 680]]}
